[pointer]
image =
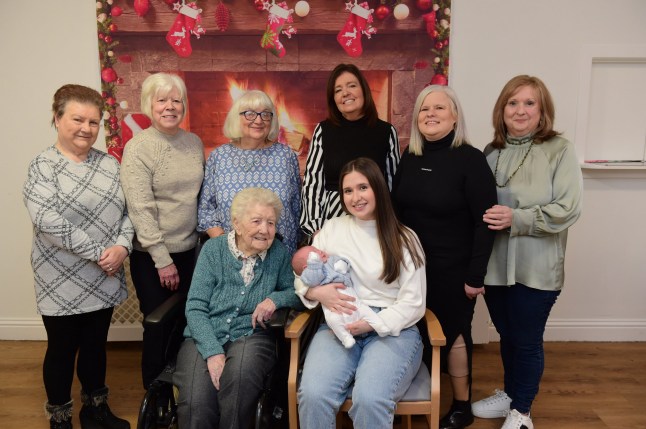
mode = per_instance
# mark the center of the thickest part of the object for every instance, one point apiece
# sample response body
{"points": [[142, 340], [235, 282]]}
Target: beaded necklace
{"points": [[517, 142]]}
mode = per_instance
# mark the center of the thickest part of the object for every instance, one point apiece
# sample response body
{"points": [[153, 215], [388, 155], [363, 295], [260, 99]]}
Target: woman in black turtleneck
{"points": [[352, 130], [441, 192]]}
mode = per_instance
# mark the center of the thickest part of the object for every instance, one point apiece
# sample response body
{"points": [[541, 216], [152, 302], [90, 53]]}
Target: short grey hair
{"points": [[161, 84], [416, 143], [249, 197], [251, 100]]}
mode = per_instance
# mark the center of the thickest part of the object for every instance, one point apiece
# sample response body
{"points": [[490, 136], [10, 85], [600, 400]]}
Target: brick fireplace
{"points": [[393, 60]]}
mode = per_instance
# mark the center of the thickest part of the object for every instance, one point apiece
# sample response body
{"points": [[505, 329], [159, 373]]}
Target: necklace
{"points": [[495, 174]]}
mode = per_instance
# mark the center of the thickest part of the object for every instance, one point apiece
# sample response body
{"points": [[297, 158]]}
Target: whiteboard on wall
{"points": [[611, 120]]}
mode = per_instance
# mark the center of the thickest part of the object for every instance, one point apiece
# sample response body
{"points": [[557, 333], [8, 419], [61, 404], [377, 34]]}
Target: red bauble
{"points": [[113, 119], [108, 75], [439, 79], [382, 12], [116, 11], [114, 127], [424, 4], [110, 101], [222, 16], [259, 4], [113, 28], [120, 81], [141, 7], [438, 45], [107, 39]]}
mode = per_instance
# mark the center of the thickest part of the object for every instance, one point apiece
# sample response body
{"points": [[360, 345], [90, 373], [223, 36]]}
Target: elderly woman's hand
{"points": [[263, 313], [112, 258], [498, 217], [329, 296], [215, 364], [169, 277]]}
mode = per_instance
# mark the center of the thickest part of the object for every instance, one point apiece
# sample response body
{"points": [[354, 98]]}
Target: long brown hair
{"points": [[369, 110], [544, 131], [393, 236]]}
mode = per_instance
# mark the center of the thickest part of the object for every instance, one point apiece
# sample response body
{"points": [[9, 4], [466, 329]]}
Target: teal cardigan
{"points": [[219, 305]]}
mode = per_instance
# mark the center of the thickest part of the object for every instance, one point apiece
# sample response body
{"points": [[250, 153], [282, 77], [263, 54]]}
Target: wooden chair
{"points": [[414, 403]]}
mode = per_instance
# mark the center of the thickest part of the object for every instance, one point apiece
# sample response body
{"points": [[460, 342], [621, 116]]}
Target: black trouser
{"points": [[151, 294], [86, 334]]}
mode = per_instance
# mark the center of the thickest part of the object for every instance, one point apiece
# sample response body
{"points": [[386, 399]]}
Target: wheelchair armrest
{"points": [[279, 318], [435, 332], [167, 311]]}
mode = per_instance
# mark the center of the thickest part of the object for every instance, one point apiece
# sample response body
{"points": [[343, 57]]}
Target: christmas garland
{"points": [[105, 11]]}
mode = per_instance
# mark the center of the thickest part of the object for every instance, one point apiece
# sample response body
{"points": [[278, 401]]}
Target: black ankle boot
{"points": [[95, 413], [458, 417], [60, 416]]}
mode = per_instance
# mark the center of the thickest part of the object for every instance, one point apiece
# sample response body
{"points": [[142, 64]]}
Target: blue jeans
{"points": [[381, 368], [520, 314]]}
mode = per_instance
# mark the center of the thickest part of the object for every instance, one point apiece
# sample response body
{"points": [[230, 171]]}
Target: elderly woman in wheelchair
{"points": [[240, 279]]}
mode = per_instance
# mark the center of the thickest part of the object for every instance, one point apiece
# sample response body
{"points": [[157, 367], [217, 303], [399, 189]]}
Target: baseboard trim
{"points": [[589, 330], [32, 329]]}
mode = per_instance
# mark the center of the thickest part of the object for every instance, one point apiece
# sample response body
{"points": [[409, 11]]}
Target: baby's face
{"points": [[321, 253]]}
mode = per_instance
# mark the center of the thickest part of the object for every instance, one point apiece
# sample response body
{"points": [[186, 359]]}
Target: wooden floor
{"points": [[585, 385]]}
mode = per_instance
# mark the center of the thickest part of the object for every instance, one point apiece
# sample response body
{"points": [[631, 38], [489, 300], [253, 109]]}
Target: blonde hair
{"points": [[416, 144], [161, 84], [249, 197], [251, 100]]}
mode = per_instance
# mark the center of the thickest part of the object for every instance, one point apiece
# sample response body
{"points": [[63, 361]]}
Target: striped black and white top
{"points": [[331, 148]]}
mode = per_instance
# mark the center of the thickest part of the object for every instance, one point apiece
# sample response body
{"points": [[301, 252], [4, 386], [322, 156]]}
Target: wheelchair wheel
{"points": [[158, 409]]}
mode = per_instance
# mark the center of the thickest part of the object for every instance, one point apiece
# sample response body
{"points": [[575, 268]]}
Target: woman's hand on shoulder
{"points": [[329, 296], [359, 327], [215, 364], [498, 217], [169, 277], [263, 313], [112, 259]]}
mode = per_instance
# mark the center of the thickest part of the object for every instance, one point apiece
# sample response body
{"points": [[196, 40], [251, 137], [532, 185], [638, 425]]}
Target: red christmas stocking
{"points": [[279, 14], [350, 35], [179, 37]]}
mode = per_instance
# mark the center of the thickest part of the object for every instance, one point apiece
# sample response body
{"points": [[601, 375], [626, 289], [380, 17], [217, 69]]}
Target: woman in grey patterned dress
{"points": [[82, 235]]}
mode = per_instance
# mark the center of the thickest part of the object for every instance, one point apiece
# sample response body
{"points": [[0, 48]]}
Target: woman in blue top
{"points": [[253, 158], [240, 279]]}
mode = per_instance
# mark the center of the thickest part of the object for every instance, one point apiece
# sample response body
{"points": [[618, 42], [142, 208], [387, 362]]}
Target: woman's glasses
{"points": [[250, 115]]}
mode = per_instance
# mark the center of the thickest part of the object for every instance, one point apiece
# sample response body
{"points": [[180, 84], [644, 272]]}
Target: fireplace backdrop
{"points": [[399, 60], [403, 54]]}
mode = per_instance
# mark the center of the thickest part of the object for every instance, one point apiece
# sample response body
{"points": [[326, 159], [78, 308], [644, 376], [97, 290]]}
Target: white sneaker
{"points": [[493, 407], [516, 420]]}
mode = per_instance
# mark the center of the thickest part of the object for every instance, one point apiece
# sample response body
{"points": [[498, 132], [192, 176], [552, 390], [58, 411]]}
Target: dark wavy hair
{"points": [[393, 235], [545, 130], [72, 92], [369, 110]]}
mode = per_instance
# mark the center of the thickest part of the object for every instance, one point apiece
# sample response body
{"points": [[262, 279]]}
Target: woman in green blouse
{"points": [[539, 197]]}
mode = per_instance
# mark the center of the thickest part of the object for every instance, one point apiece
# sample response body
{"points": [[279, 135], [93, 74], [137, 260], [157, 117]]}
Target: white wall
{"points": [[604, 296], [47, 44], [44, 45]]}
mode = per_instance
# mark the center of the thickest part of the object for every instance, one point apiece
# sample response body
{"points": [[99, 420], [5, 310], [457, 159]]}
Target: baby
{"points": [[316, 268]]}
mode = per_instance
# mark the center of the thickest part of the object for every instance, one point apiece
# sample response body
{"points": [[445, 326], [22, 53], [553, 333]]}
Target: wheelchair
{"points": [[158, 408]]}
